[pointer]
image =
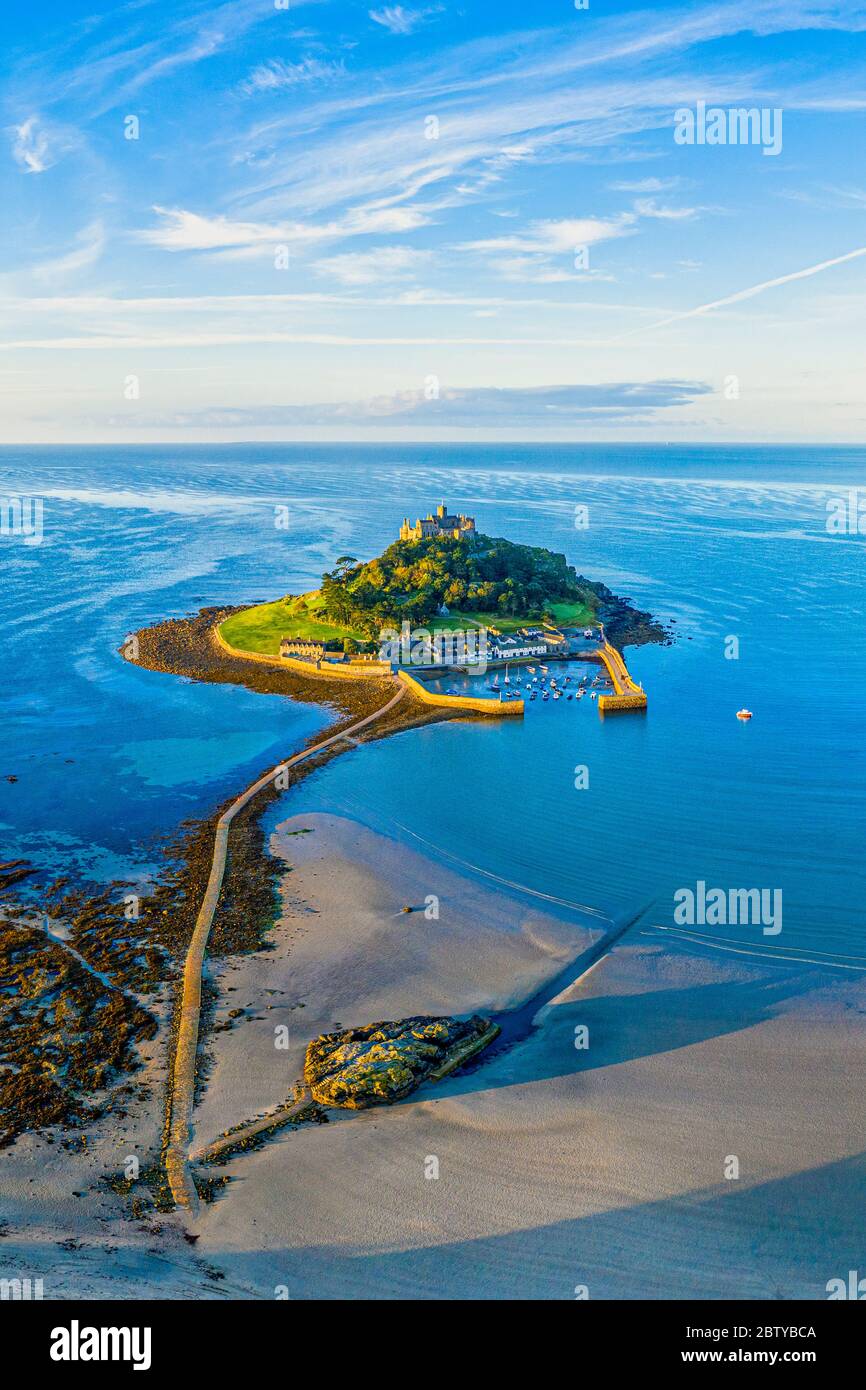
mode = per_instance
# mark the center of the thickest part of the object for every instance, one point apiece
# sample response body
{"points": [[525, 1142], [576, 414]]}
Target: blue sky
{"points": [[430, 221]]}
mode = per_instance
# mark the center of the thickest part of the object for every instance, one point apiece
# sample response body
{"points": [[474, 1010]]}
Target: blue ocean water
{"points": [[728, 543]]}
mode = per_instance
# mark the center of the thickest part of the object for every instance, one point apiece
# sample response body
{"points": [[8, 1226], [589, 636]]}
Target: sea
{"points": [[755, 557]]}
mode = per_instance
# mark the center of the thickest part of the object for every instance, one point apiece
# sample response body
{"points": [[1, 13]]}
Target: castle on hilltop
{"points": [[458, 527]]}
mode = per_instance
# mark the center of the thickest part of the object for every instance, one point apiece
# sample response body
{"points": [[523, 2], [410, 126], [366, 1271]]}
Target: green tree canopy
{"points": [[412, 579]]}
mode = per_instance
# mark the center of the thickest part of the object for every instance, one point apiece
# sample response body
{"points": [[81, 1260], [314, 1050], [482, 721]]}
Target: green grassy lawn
{"points": [[260, 629], [571, 614], [467, 620]]}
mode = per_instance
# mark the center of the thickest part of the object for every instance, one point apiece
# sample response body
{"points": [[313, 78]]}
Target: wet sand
{"points": [[559, 1169]]}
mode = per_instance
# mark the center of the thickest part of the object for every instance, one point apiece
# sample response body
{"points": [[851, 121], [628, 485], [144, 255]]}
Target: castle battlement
{"points": [[441, 523]]}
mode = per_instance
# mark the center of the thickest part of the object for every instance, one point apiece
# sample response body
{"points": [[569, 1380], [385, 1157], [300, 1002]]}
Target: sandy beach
{"points": [[563, 1172], [559, 1169]]}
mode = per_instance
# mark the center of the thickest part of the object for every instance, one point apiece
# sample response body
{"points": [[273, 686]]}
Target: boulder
{"points": [[383, 1062]]}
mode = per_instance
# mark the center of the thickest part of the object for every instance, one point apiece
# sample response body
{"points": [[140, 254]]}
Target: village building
{"points": [[308, 651], [458, 527], [511, 648]]}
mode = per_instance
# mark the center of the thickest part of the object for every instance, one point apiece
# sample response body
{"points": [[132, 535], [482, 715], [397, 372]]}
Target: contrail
{"points": [[753, 290]]}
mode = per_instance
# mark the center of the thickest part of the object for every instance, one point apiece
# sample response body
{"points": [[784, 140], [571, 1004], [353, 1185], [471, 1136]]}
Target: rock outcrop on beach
{"points": [[383, 1062]]}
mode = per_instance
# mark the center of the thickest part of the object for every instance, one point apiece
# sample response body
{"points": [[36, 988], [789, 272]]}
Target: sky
{"points": [[326, 220]]}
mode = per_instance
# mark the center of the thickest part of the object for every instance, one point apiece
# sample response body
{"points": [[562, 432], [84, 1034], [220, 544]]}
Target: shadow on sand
{"points": [[781, 1239]]}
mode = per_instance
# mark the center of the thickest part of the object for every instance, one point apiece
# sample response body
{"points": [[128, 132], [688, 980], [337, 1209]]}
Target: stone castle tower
{"points": [[459, 527]]}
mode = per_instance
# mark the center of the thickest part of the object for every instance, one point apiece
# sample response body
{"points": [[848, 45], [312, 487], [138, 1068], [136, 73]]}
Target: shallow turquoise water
{"points": [[727, 543]]}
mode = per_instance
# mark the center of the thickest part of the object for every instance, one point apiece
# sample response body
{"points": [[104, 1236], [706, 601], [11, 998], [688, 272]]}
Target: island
{"points": [[442, 595]]}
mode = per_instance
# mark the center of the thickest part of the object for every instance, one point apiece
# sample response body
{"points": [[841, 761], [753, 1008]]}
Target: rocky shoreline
{"points": [[625, 625]]}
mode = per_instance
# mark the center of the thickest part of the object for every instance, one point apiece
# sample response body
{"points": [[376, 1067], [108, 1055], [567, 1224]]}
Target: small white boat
{"points": [[587, 632], [744, 714], [593, 695]]}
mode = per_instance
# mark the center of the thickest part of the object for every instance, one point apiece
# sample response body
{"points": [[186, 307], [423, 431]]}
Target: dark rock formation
{"points": [[384, 1062]]}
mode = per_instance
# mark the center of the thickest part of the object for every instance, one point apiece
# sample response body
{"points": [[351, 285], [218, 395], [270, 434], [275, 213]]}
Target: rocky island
{"points": [[384, 1062]]}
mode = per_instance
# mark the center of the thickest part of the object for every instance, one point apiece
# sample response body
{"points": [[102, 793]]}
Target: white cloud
{"points": [[540, 270], [372, 267], [561, 235], [90, 243], [398, 20], [181, 230], [31, 146], [648, 207], [544, 252], [378, 218], [188, 231], [276, 74], [475, 407], [645, 185]]}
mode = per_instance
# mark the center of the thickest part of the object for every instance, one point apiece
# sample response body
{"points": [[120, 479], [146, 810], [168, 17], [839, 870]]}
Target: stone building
{"points": [[308, 651], [459, 527]]}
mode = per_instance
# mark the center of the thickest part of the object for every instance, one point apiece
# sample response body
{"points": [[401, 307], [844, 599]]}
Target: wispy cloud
{"points": [[182, 230], [648, 185], [552, 236], [481, 407], [383, 263], [753, 290], [32, 147], [278, 75], [545, 251], [650, 207], [398, 20], [143, 53], [89, 245], [551, 134]]}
